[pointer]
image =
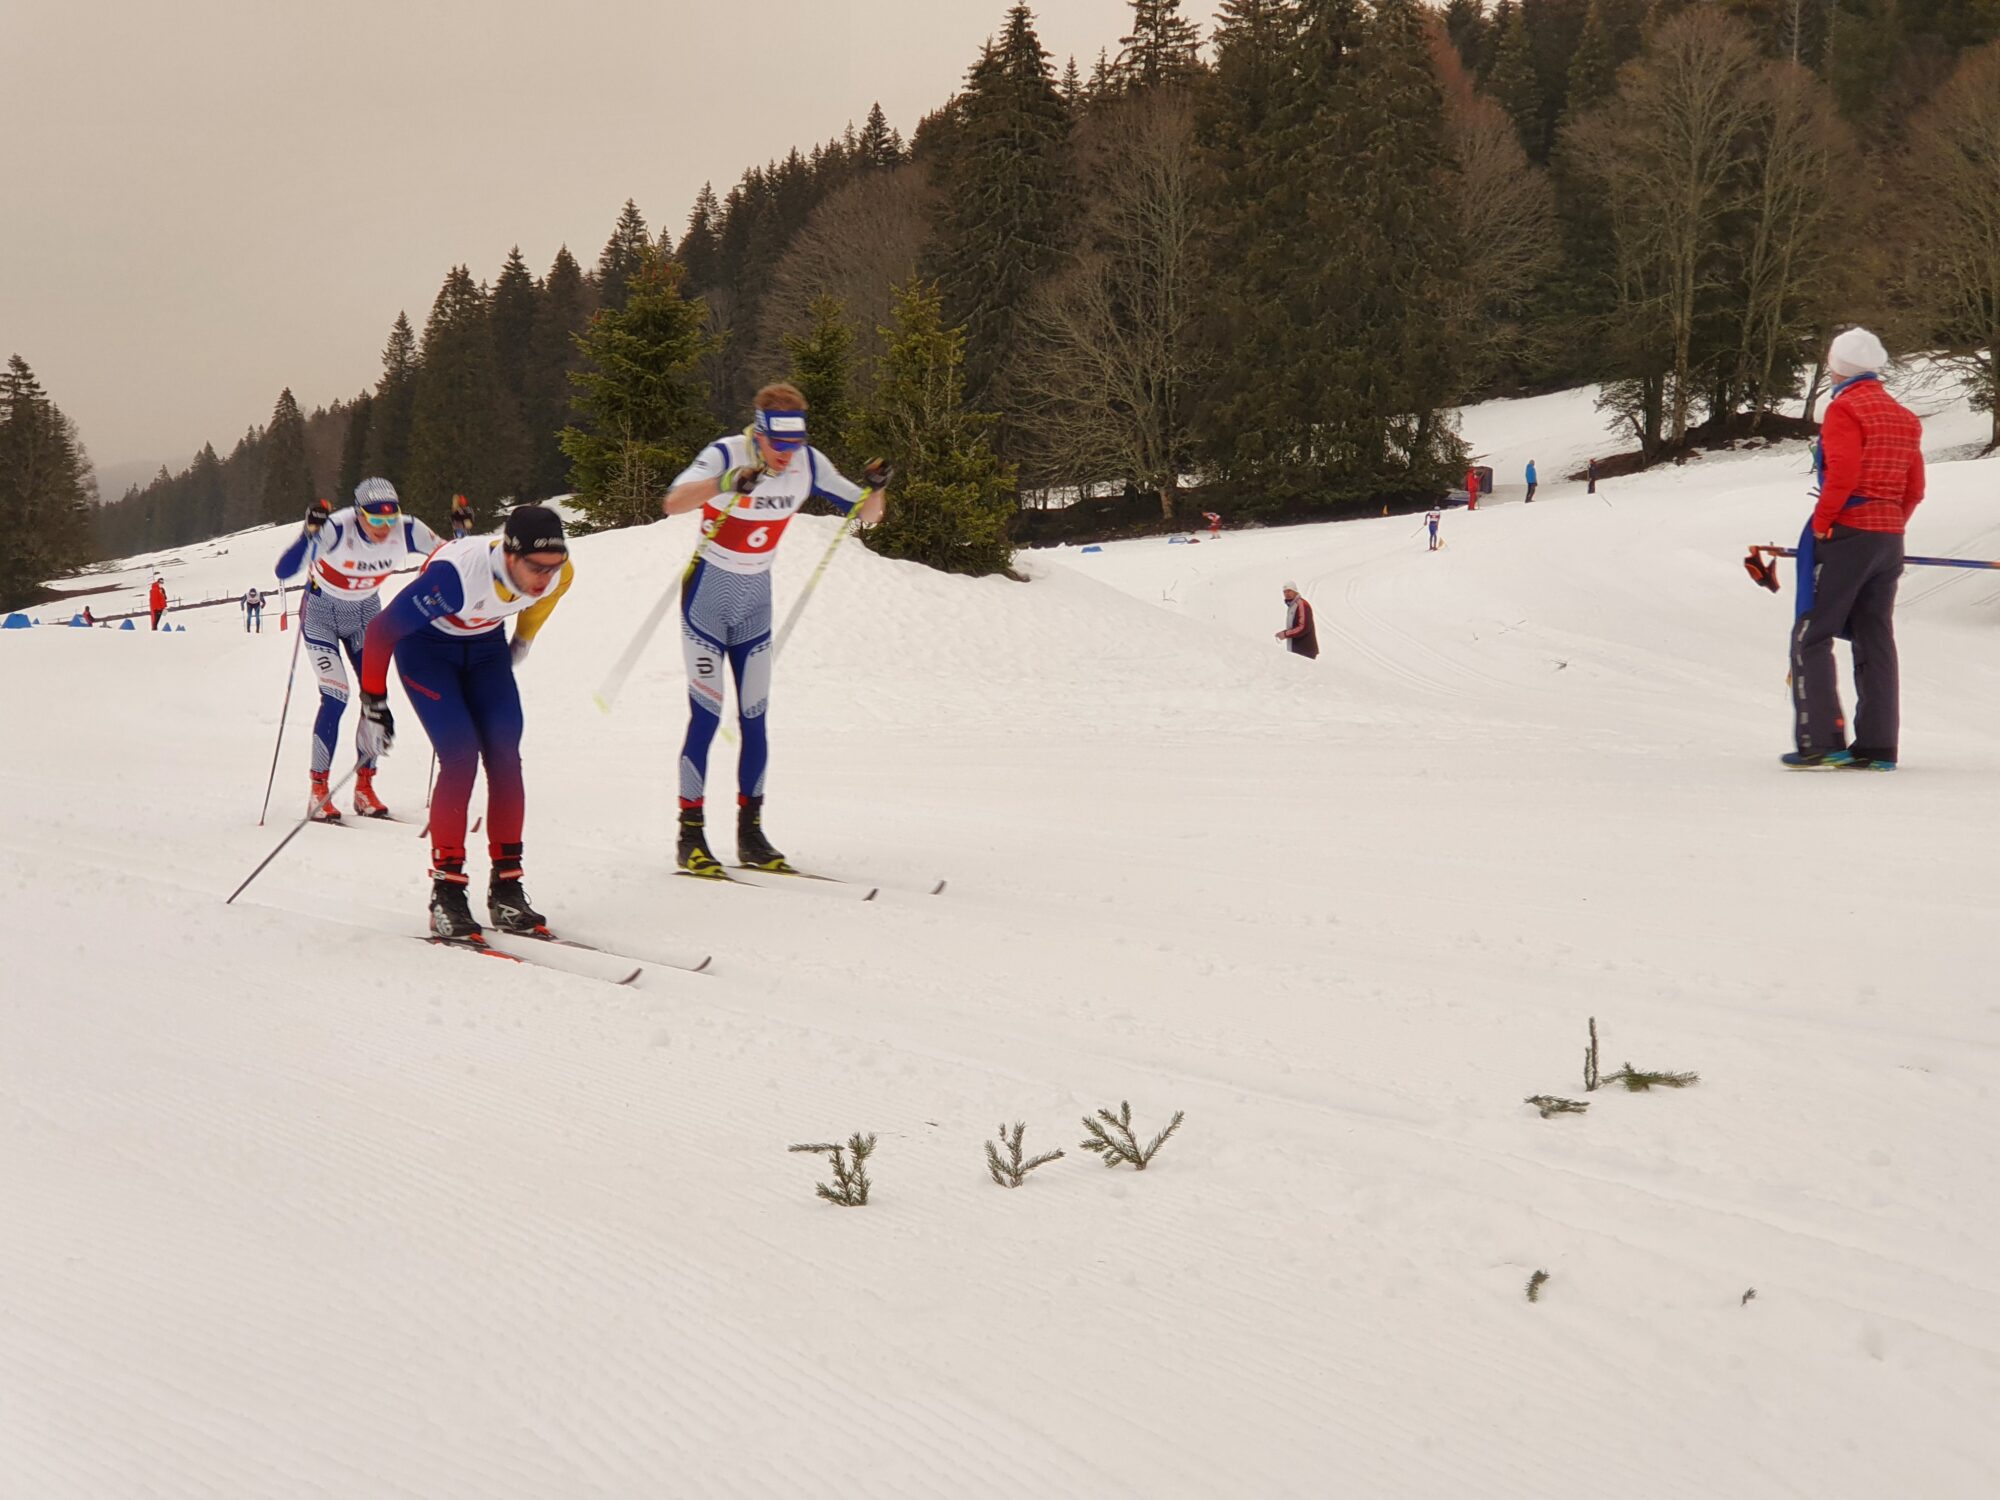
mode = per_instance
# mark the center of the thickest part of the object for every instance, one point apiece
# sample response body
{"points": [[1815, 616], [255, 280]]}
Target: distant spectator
{"points": [[88, 618], [1299, 635], [1870, 465], [1472, 489], [156, 601], [253, 611], [1590, 473], [1531, 481], [1214, 524]]}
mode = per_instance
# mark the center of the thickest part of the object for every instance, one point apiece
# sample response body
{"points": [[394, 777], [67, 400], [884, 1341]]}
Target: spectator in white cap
{"points": [[1299, 636], [1870, 463]]}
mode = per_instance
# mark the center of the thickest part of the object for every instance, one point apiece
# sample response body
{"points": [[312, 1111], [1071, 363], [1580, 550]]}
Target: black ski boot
{"points": [[506, 903], [752, 848], [692, 855], [451, 913]]}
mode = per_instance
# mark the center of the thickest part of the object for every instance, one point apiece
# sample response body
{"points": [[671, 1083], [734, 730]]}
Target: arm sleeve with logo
{"points": [[434, 593]]}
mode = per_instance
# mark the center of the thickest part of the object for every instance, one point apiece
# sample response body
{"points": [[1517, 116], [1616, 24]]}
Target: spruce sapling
{"points": [[1637, 1080], [1744, 1300], [1010, 1172], [1549, 1104], [1590, 1078], [1113, 1139], [850, 1184], [1535, 1285]]}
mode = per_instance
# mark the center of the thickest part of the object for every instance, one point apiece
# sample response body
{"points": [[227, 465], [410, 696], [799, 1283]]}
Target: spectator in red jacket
{"points": [[1299, 636], [156, 601], [1870, 460], [1472, 489]]}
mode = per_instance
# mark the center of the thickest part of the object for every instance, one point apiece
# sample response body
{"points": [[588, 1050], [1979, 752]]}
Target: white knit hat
{"points": [[1290, 587], [1856, 352]]}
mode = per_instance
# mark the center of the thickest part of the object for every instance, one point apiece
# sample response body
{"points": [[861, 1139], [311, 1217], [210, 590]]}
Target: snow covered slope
{"points": [[296, 1206]]}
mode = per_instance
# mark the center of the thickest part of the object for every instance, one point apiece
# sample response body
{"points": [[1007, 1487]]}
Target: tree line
{"points": [[1272, 259]]}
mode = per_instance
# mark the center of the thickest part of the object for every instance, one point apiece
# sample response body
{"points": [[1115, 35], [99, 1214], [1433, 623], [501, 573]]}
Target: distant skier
{"points": [[359, 546], [1472, 489], [156, 601], [1870, 465], [1214, 524], [461, 518], [1299, 635], [1531, 482], [1431, 519], [446, 633], [1590, 475], [748, 486], [253, 611]]}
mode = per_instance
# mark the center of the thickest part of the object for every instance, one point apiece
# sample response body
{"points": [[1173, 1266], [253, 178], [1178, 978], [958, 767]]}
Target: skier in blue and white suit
{"points": [[747, 486], [358, 548]]}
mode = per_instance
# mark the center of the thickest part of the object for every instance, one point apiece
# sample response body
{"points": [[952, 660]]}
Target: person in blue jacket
{"points": [[1531, 481]]}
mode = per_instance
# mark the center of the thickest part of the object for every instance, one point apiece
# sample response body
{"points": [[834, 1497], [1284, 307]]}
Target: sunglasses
{"points": [[383, 513]]}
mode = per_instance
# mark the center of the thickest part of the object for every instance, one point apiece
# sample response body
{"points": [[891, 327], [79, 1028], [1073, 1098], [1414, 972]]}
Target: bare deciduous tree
{"points": [[1112, 354], [1950, 175], [857, 246]]}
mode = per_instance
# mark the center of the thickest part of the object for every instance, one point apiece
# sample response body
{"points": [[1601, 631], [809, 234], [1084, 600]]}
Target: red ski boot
{"points": [[319, 807], [366, 803]]}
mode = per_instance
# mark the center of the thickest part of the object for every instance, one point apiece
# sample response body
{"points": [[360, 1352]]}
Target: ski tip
{"points": [[633, 977], [702, 967], [938, 889], [873, 892], [603, 703]]}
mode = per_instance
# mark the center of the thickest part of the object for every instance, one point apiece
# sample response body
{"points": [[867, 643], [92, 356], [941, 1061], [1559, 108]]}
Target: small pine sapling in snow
{"points": [[850, 1184], [1535, 1285], [1113, 1139], [1590, 1076], [1549, 1104], [1744, 1300], [1010, 1172], [1638, 1080]]}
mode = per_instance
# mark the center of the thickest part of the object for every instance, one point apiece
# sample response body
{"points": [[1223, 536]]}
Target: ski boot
{"points": [[752, 848], [319, 806], [366, 803], [692, 854], [507, 905], [451, 913]]}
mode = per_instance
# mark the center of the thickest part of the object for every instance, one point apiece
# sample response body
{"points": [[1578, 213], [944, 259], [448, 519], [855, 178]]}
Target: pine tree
{"points": [[512, 313], [622, 254], [1465, 24], [47, 488], [876, 149], [1593, 74], [562, 311], [1103, 78], [1514, 84], [207, 499], [1071, 88], [700, 252], [1004, 200], [454, 432], [288, 486], [354, 447], [1164, 46], [395, 406], [642, 394], [822, 370], [953, 499]]}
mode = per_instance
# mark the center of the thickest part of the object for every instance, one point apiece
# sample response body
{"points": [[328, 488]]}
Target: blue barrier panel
{"points": [[126, 626], [15, 622], [1093, 547]]}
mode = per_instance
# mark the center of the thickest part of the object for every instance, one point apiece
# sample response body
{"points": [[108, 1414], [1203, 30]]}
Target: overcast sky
{"points": [[204, 201]]}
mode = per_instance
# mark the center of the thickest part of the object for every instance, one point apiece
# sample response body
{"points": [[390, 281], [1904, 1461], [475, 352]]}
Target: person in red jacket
{"points": [[1472, 489], [1300, 636], [156, 601], [1870, 460]]}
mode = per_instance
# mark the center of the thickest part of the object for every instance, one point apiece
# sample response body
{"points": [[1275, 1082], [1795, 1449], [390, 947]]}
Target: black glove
{"points": [[378, 725], [878, 473], [316, 515], [740, 480]]}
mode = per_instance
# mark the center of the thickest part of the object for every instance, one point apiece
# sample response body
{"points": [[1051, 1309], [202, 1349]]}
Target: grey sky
{"points": [[204, 201]]}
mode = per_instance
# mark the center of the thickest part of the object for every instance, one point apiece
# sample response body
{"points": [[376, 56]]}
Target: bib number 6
{"points": [[758, 539]]}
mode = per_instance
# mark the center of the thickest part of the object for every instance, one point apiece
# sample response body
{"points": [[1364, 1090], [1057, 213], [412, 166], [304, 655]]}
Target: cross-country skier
{"points": [[461, 518], [748, 486], [253, 610], [1431, 519], [447, 635], [358, 547]]}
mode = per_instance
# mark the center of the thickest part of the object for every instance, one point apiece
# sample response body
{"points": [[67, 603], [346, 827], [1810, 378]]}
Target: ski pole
{"points": [[298, 640], [331, 792], [1915, 562], [614, 681]]}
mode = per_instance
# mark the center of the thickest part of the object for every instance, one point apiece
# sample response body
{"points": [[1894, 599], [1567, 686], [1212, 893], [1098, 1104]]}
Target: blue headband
{"points": [[785, 429]]}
